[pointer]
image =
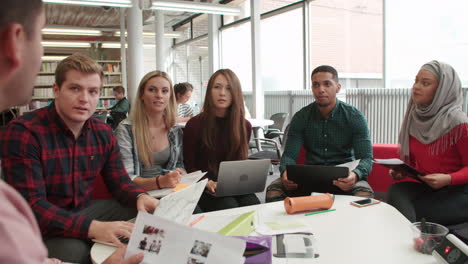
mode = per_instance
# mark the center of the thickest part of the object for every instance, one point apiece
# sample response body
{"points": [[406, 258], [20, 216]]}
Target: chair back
{"points": [[279, 121], [101, 115]]}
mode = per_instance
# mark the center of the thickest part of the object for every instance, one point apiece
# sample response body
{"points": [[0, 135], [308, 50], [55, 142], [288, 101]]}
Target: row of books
{"points": [[43, 92], [107, 67], [110, 67], [49, 66], [106, 103]]}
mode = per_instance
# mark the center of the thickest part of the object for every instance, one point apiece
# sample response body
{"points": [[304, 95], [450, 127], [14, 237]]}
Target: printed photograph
{"points": [[194, 261], [201, 248], [151, 230], [155, 246]]}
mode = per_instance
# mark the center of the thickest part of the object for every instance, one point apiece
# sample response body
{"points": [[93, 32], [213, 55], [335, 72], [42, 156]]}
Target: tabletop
{"points": [[373, 234]]}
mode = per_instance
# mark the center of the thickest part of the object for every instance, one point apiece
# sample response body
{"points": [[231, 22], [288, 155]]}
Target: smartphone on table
{"points": [[365, 202]]}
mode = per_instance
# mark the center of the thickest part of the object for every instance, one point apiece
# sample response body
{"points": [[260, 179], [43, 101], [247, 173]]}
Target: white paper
{"points": [[350, 165], [178, 206], [188, 179], [278, 222], [389, 161], [163, 241]]}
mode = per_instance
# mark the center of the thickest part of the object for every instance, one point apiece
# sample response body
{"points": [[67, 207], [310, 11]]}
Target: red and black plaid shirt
{"points": [[55, 172]]}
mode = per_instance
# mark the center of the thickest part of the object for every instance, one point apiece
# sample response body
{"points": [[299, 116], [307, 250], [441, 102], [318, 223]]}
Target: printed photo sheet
{"points": [[164, 241]]}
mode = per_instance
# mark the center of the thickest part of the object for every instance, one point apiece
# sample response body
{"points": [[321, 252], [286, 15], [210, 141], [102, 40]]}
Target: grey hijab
{"points": [[427, 124]]}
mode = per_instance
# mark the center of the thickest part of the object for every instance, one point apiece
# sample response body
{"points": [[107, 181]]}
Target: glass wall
{"points": [[236, 53], [422, 31], [348, 35], [282, 51]]}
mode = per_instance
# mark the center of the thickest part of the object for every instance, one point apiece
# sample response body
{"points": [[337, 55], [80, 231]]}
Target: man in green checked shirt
{"points": [[332, 132]]}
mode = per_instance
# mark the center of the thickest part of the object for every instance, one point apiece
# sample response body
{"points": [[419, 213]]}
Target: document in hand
{"points": [[163, 241], [179, 206], [399, 165], [187, 179]]}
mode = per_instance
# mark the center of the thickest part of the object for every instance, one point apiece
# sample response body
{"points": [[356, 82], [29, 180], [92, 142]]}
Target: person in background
{"points": [[219, 133], [183, 92], [21, 22], [332, 132], [434, 140], [119, 110], [150, 143], [53, 155]]}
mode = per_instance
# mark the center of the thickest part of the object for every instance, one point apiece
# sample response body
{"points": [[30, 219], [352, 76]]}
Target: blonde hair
{"points": [[78, 62], [140, 121]]}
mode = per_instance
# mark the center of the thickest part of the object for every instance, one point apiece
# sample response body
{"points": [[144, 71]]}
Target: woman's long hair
{"points": [[140, 121], [237, 132]]}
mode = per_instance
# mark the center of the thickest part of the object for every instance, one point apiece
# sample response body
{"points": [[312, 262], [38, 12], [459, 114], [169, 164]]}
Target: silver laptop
{"points": [[242, 177]]}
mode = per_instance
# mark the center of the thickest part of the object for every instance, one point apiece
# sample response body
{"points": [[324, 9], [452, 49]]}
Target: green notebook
{"points": [[241, 226]]}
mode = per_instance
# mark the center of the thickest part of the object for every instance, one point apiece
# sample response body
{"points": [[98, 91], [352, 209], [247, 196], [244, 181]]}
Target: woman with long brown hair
{"points": [[219, 133]]}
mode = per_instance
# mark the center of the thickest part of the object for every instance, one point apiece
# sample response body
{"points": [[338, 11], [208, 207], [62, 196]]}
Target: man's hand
{"points": [[346, 184], [396, 175], [146, 203], [288, 184], [437, 180], [211, 186], [118, 257], [170, 180], [109, 231]]}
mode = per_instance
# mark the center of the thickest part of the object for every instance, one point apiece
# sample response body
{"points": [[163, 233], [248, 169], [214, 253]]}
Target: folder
{"points": [[257, 249], [241, 226]]}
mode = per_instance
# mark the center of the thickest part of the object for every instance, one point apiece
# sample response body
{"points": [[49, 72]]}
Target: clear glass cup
{"points": [[428, 240]]}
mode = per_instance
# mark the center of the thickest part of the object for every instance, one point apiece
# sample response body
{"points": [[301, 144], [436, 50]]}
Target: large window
{"points": [[282, 51], [236, 53], [191, 65], [347, 34], [419, 31]]}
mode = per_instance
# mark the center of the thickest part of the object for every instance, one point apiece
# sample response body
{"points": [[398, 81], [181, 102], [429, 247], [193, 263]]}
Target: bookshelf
{"points": [[43, 93]]}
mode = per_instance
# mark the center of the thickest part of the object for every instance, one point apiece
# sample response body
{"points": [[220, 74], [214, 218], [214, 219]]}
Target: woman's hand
{"points": [[181, 171], [211, 186], [170, 180], [437, 180], [396, 175]]}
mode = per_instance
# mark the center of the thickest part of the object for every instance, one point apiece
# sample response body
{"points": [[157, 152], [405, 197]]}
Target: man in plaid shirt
{"points": [[52, 157]]}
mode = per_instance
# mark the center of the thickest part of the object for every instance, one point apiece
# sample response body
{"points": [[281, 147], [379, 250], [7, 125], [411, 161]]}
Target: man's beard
{"points": [[323, 105]]}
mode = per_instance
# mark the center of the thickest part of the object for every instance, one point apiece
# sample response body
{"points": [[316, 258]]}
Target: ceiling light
{"points": [[152, 34], [63, 31], [117, 45], [53, 58], [195, 7], [65, 44], [115, 3]]}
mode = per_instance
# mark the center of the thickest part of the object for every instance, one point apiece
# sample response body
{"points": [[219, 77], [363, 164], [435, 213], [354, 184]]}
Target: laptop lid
{"points": [[242, 177], [316, 178]]}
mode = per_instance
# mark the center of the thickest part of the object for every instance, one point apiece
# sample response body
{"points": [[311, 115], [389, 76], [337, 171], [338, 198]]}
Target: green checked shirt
{"points": [[341, 138]]}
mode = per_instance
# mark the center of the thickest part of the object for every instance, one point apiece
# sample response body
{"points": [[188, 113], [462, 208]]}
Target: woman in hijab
{"points": [[434, 139]]}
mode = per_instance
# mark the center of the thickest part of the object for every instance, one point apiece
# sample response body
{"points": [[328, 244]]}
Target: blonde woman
{"points": [[150, 143]]}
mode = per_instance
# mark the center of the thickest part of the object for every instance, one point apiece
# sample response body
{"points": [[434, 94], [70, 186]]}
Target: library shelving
{"points": [[43, 92]]}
